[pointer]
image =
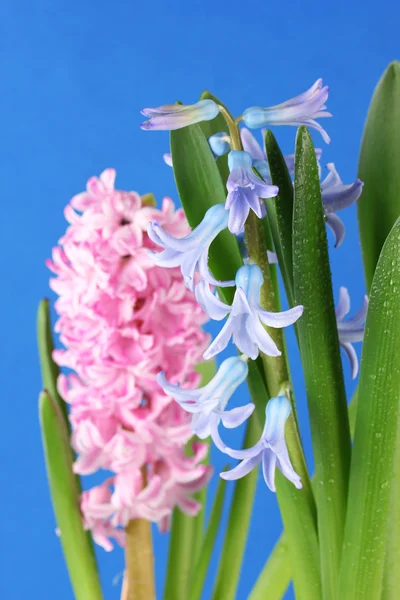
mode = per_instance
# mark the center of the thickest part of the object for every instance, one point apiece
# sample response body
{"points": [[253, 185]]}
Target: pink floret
{"points": [[122, 320]]}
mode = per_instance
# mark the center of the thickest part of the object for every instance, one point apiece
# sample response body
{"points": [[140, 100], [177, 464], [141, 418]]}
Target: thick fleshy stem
{"points": [[304, 553], [139, 560]]}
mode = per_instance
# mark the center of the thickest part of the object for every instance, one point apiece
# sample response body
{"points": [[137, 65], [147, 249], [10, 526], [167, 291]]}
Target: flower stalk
{"points": [[297, 506], [139, 561]]}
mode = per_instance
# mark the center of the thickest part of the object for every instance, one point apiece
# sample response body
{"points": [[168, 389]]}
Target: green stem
{"points": [[277, 572], [276, 575], [238, 525]]}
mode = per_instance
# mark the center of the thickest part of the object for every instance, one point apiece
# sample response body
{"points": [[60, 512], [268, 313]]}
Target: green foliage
{"points": [[379, 205], [319, 349], [76, 543], [372, 464], [200, 186]]}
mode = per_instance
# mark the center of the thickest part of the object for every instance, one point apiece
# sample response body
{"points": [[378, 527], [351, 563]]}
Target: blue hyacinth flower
{"points": [[190, 253], [271, 450], [176, 116], [301, 110], [337, 196], [351, 330], [207, 404], [246, 317], [219, 143], [245, 189]]}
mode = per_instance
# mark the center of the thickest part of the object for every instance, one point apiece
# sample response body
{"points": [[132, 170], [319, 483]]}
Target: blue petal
{"points": [[210, 303], [232, 373], [175, 116], [219, 143], [343, 306], [276, 413], [352, 356], [221, 341], [235, 417], [259, 336], [201, 425], [268, 467], [239, 210], [242, 469], [251, 145], [241, 338], [341, 196], [336, 225]]}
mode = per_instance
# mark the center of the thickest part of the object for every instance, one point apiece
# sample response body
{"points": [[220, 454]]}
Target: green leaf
{"points": [[276, 575], [49, 369], [280, 212], [200, 187], [277, 572], [207, 547], [186, 532], [76, 543], [207, 370], [238, 525], [372, 464], [319, 349], [379, 205], [216, 125], [179, 557], [378, 209]]}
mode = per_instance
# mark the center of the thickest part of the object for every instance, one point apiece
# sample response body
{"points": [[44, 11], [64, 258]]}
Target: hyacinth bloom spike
{"points": [[337, 196], [245, 189], [207, 404], [351, 330], [190, 253], [175, 116], [246, 317], [219, 143], [271, 450], [301, 110]]}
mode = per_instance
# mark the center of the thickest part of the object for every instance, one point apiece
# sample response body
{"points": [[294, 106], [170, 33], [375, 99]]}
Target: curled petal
{"points": [[352, 356], [168, 159], [281, 319], [259, 335], [359, 318], [235, 417], [242, 468], [222, 339], [343, 306], [337, 227], [251, 145], [210, 303]]}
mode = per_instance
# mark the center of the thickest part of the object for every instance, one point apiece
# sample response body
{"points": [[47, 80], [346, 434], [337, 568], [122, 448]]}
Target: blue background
{"points": [[74, 76]]}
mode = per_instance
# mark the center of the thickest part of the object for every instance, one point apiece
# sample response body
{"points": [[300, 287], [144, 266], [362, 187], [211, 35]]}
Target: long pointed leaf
{"points": [[280, 212], [319, 348], [276, 575], [372, 462], [207, 371], [238, 525], [200, 187], [200, 571], [379, 205], [378, 209], [49, 369], [186, 532], [76, 543], [277, 572]]}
